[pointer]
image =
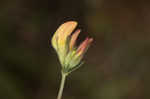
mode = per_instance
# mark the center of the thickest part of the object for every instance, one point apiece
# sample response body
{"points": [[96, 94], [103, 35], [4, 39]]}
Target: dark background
{"points": [[116, 66]]}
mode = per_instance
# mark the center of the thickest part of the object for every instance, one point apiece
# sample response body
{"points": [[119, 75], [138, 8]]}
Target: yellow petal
{"points": [[64, 31], [60, 36]]}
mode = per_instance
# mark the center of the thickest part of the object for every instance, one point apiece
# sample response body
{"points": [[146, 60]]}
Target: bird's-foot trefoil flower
{"points": [[70, 56], [64, 43]]}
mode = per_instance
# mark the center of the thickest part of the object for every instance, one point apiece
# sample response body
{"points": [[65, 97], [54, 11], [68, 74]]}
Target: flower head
{"points": [[65, 45]]}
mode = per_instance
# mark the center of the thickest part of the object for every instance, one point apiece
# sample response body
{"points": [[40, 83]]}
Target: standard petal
{"points": [[64, 31], [61, 34]]}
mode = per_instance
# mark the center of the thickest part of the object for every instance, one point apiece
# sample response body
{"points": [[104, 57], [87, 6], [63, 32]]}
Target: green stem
{"points": [[61, 86]]}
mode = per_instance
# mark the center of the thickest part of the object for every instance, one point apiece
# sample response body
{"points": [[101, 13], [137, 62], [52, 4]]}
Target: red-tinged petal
{"points": [[83, 46], [74, 38]]}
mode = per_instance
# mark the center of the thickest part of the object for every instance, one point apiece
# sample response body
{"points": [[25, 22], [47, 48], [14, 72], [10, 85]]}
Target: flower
{"points": [[65, 45]]}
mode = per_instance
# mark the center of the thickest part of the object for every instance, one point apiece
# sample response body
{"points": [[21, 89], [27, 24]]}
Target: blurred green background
{"points": [[117, 65]]}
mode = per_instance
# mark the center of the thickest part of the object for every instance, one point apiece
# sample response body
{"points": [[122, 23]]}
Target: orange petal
{"points": [[66, 29], [74, 38]]}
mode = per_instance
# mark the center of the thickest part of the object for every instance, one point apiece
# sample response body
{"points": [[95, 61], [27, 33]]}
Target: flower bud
{"points": [[70, 57]]}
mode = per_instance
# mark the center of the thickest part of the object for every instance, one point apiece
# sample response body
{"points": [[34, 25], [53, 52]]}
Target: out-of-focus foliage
{"points": [[116, 66]]}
